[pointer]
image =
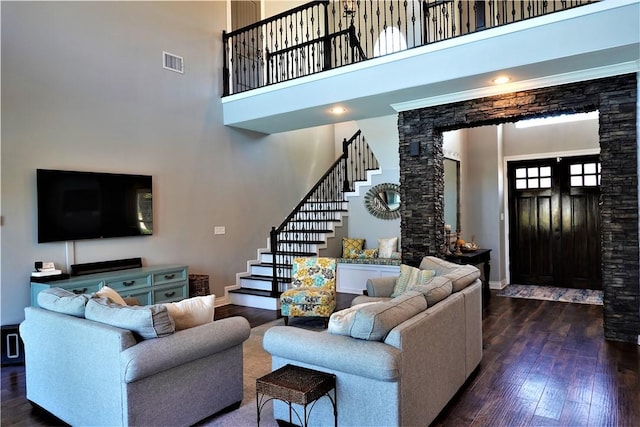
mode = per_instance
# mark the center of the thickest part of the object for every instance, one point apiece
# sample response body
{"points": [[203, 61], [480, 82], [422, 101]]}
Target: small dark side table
{"points": [[479, 256], [295, 384]]}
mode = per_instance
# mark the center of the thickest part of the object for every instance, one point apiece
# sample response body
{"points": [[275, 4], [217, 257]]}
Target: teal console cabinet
{"points": [[150, 285]]}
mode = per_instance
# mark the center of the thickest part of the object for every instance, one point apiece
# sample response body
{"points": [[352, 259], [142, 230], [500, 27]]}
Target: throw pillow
{"points": [[192, 311], [107, 292], [410, 276], [375, 321], [435, 290], [341, 321], [351, 244], [386, 247], [150, 321], [363, 253], [63, 301]]}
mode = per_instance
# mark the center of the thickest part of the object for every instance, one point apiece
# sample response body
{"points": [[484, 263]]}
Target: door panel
{"points": [[554, 217]]}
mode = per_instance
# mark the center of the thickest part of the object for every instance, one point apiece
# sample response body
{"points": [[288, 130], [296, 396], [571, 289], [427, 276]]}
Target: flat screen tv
{"points": [[76, 205]]}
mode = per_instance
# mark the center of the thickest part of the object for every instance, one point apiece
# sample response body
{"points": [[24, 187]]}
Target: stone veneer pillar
{"points": [[422, 182]]}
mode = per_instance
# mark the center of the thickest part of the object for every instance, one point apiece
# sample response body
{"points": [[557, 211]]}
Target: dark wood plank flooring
{"points": [[544, 364]]}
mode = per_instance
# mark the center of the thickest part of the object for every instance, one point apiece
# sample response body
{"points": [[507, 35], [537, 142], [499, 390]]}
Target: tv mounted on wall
{"points": [[75, 205]]}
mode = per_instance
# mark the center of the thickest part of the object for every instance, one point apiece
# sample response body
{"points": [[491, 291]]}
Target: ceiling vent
{"points": [[172, 62]]}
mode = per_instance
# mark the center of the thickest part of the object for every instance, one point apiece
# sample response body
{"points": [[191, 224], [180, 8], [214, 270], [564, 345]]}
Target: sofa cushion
{"points": [[341, 321], [435, 290], [107, 292], [374, 321], [410, 276], [387, 246], [192, 312], [351, 244], [63, 301], [461, 276], [150, 321]]}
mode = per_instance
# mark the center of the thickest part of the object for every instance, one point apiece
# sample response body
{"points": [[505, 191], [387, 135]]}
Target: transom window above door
{"points": [[533, 177], [585, 174]]}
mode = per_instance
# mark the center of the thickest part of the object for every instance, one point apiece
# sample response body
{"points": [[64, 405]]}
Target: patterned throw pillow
{"points": [[410, 277], [351, 244], [386, 247], [363, 253]]}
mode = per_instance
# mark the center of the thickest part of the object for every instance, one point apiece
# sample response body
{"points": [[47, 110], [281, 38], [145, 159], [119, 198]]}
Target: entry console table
{"points": [[150, 285], [479, 256]]}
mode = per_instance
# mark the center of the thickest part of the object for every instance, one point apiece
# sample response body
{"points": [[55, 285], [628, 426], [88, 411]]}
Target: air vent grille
{"points": [[172, 62]]}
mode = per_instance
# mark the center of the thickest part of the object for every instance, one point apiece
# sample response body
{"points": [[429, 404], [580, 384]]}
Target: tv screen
{"points": [[89, 205]]}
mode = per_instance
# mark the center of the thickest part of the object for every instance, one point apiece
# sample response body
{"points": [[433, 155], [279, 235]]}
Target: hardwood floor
{"points": [[544, 364]]}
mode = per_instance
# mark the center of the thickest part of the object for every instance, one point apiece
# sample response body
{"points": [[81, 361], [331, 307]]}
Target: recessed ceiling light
{"points": [[501, 80], [338, 110]]}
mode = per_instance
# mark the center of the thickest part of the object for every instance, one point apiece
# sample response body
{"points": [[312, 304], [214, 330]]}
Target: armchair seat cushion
{"points": [[308, 296]]}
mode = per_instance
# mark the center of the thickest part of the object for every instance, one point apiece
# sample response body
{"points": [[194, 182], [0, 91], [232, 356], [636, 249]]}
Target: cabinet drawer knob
{"points": [[129, 282], [169, 294], [169, 276], [80, 291]]}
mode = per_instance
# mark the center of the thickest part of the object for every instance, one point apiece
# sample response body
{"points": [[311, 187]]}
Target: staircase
{"points": [[306, 229]]}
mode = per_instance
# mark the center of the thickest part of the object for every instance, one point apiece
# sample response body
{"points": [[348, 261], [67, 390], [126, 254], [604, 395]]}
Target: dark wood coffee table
{"points": [[295, 384]]}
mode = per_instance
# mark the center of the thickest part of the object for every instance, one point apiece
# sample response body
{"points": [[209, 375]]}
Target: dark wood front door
{"points": [[554, 217]]}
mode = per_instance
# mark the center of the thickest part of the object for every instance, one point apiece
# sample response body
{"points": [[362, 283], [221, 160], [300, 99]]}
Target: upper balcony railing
{"points": [[324, 34]]}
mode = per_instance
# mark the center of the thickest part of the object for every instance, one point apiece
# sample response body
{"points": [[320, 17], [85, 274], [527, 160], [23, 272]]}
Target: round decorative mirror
{"points": [[383, 201]]}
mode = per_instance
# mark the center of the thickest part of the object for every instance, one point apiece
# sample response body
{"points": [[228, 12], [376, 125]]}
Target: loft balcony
{"points": [[377, 57]]}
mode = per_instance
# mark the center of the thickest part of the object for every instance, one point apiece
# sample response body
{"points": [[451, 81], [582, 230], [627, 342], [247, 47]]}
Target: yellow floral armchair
{"points": [[313, 289]]}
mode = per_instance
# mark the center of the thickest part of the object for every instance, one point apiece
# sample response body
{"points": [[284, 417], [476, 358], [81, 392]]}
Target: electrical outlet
{"points": [[219, 229]]}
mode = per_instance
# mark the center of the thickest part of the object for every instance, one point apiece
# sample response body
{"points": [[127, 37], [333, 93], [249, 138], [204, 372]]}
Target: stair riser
{"points": [[255, 301], [249, 283], [262, 270], [299, 247]]}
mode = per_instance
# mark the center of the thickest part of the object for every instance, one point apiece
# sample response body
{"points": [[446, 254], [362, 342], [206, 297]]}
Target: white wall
{"points": [[83, 89]]}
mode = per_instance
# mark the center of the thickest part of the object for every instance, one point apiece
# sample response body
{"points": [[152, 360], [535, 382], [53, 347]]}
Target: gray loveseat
{"points": [[418, 365], [90, 373]]}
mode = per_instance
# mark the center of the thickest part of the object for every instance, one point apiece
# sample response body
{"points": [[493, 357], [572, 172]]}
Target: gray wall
{"points": [[83, 88]]}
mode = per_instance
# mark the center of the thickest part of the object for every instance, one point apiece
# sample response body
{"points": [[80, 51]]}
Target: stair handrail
{"points": [[339, 168]]}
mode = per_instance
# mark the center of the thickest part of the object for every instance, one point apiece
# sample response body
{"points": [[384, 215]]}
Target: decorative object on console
{"points": [[383, 201], [45, 269]]}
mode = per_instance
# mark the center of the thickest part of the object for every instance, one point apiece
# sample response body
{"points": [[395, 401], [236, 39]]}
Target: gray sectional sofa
{"points": [[398, 362], [90, 373]]}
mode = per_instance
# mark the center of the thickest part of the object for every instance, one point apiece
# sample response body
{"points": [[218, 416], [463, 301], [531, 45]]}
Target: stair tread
{"points": [[317, 220], [322, 210], [292, 253], [303, 242], [266, 278], [268, 264], [318, 231], [256, 292]]}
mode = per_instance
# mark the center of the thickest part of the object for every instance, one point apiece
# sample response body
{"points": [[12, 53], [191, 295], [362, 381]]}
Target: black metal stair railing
{"points": [[326, 34], [304, 228]]}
